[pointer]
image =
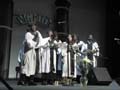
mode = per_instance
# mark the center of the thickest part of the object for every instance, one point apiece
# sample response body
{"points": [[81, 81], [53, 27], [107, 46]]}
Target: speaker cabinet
{"points": [[99, 76], [118, 80]]}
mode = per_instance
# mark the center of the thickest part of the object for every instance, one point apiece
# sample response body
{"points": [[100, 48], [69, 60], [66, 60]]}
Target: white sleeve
{"points": [[96, 47], [28, 36], [21, 55], [31, 44], [80, 43], [64, 49], [45, 41], [84, 47], [55, 42], [40, 39], [29, 40]]}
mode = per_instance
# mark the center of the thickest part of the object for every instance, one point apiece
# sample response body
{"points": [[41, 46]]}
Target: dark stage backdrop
{"points": [[85, 17], [113, 31]]}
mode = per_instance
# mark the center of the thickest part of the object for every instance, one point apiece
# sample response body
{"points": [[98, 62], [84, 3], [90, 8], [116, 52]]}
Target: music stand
{"points": [[1, 79]]}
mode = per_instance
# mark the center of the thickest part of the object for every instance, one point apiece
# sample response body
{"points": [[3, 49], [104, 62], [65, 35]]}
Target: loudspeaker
{"points": [[99, 76], [118, 80], [114, 84]]}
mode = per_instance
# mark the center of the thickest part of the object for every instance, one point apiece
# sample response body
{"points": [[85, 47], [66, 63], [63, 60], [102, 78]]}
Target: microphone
{"points": [[116, 39]]}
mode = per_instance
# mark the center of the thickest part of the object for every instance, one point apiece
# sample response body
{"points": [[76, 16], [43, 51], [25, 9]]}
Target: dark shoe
{"points": [[22, 79], [32, 84], [21, 83], [44, 82]]}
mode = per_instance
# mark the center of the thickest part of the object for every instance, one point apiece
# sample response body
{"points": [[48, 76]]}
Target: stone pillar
{"points": [[6, 9], [62, 16]]}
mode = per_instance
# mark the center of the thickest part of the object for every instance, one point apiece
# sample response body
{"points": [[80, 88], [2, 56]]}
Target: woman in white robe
{"points": [[42, 57], [79, 56], [38, 50], [46, 55], [69, 61], [65, 63], [57, 58], [45, 59]]}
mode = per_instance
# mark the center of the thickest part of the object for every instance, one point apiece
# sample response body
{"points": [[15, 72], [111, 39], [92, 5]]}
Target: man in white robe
{"points": [[31, 42], [89, 51], [92, 49], [57, 59], [29, 62]]}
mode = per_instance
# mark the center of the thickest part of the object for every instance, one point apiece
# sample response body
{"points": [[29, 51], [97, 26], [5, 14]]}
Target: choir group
{"points": [[57, 61]]}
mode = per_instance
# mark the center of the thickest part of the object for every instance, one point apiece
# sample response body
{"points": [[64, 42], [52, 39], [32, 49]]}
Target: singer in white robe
{"points": [[81, 46], [38, 39], [42, 44], [68, 70], [45, 56], [95, 48], [94, 51], [59, 58], [75, 48], [29, 62], [65, 63]]}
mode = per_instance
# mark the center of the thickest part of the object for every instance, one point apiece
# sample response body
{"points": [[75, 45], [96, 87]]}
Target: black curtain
{"points": [[6, 14], [113, 31]]}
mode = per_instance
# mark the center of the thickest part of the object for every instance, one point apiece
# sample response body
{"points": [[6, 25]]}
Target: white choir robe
{"points": [[29, 62], [57, 52], [55, 60], [67, 62], [75, 47], [40, 38], [55, 57], [80, 56], [44, 66], [45, 60], [94, 47], [46, 57], [41, 43]]}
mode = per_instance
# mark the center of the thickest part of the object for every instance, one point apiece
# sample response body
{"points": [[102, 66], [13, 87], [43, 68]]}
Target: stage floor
{"points": [[12, 83]]}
